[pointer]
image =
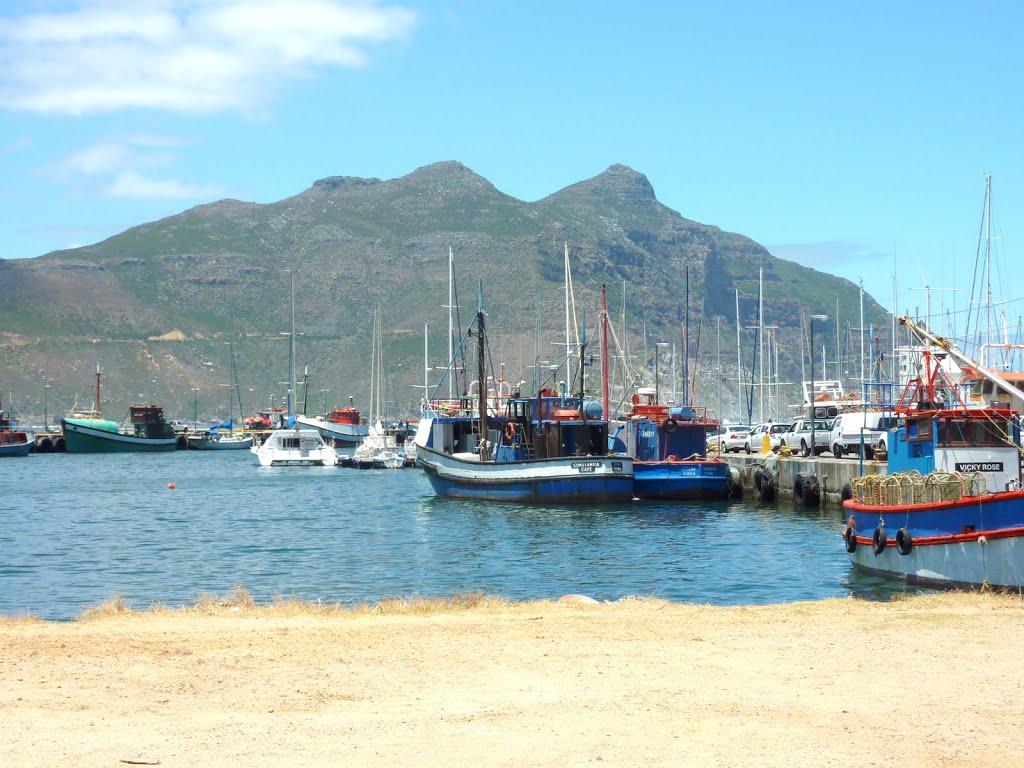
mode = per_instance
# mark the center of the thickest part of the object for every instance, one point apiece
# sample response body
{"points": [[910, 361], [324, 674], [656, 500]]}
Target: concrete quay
{"points": [[830, 474]]}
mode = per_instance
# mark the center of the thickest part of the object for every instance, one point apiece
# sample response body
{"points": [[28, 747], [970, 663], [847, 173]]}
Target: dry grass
{"points": [[19, 618], [239, 602]]}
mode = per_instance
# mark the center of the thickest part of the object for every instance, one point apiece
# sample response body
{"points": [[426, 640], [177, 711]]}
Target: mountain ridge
{"points": [[170, 290]]}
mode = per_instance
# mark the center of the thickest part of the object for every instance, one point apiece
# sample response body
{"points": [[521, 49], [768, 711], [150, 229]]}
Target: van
{"points": [[847, 429]]}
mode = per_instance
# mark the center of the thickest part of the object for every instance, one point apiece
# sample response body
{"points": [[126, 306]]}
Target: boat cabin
{"points": [[655, 431], [148, 421]]}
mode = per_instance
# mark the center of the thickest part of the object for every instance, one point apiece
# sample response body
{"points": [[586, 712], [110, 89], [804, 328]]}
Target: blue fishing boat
{"points": [[669, 447], [551, 448], [951, 511]]}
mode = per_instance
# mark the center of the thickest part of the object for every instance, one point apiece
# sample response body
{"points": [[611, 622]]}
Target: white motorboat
{"points": [[295, 446]]}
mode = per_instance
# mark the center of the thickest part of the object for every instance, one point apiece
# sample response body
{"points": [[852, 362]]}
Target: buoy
{"points": [[171, 486]]}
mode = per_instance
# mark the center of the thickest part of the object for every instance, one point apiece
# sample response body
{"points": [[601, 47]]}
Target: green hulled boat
{"points": [[149, 432]]}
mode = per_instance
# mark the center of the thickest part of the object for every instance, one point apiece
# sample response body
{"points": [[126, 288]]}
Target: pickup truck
{"points": [[798, 438]]}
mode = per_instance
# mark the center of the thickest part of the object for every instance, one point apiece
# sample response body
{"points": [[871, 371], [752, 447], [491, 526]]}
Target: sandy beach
{"points": [[933, 680]]}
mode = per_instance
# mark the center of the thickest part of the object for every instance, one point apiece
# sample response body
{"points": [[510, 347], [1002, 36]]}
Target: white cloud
{"points": [[132, 184], [183, 55], [112, 155]]}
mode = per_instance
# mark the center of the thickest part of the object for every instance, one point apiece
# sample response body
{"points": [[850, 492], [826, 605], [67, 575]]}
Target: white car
{"points": [[734, 438], [755, 439]]}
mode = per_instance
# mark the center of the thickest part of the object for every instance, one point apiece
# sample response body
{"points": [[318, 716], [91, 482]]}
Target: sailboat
{"points": [[292, 445], [378, 449], [222, 437]]}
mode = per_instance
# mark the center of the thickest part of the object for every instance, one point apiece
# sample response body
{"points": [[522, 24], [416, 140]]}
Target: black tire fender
{"points": [[878, 540], [904, 541]]}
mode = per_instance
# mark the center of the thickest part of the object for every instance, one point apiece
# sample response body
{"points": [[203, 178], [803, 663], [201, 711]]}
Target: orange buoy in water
{"points": [[171, 486]]}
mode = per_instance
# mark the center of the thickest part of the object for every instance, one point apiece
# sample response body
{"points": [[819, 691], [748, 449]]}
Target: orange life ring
{"points": [[510, 431]]}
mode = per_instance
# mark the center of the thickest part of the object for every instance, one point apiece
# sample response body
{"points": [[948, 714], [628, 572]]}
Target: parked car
{"points": [[848, 427], [807, 432], [755, 439], [729, 437], [178, 425]]}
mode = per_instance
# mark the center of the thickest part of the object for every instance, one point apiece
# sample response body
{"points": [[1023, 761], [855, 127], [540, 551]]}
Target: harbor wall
{"points": [[832, 474]]}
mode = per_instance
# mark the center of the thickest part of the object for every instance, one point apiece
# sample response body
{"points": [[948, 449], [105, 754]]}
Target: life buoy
{"points": [[904, 541], [850, 535], [878, 540], [670, 424], [510, 431]]}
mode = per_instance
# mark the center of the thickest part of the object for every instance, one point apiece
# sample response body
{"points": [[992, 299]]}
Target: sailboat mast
{"points": [[686, 344], [97, 408], [291, 349], [481, 349], [451, 327], [604, 353], [760, 344], [739, 359], [568, 347]]}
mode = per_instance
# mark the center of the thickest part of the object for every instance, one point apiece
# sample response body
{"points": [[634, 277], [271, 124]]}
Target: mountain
{"points": [[156, 304]]}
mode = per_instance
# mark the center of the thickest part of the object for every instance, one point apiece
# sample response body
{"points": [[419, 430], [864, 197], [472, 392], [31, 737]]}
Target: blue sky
{"points": [[853, 138]]}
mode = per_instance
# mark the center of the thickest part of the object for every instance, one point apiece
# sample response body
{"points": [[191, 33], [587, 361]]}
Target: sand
{"points": [[932, 680]]}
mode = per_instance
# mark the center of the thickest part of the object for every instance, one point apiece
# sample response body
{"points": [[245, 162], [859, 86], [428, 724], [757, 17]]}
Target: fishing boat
{"points": [[669, 447], [552, 448], [148, 430], [14, 441], [951, 511], [343, 426]]}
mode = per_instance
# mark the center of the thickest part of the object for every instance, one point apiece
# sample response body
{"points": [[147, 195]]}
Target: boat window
{"points": [[971, 432], [919, 430]]}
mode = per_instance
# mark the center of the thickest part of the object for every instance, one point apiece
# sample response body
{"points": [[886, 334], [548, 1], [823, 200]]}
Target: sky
{"points": [[854, 138]]}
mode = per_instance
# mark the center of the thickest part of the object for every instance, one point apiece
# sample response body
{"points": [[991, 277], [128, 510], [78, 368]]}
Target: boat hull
{"points": [[79, 438], [200, 443], [569, 480], [973, 542], [341, 434], [681, 480], [15, 449]]}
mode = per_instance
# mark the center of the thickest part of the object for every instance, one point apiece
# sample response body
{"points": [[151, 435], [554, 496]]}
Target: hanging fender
{"points": [[878, 541], [904, 541]]}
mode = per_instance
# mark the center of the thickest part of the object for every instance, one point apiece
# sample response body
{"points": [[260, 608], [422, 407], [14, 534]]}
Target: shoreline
{"points": [[927, 680]]}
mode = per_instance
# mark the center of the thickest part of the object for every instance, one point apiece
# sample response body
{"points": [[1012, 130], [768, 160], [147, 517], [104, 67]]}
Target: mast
{"points": [[97, 408], [305, 388], [686, 343], [760, 344], [739, 359], [862, 389], [481, 348], [426, 363], [291, 350], [451, 328], [568, 342], [604, 353]]}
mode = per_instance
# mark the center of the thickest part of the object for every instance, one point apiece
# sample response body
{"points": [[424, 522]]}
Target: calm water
{"points": [[80, 529]]}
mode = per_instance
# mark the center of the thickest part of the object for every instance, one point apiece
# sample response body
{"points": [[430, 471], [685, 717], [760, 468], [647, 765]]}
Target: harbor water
{"points": [[80, 529]]}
